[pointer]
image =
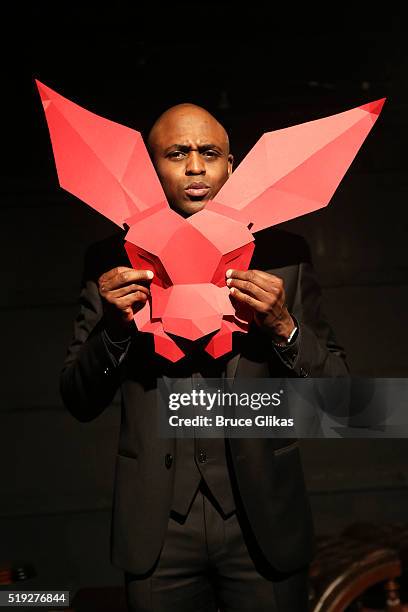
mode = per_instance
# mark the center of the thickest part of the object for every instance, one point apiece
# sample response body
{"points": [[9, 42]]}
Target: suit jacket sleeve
{"points": [[316, 352], [90, 376]]}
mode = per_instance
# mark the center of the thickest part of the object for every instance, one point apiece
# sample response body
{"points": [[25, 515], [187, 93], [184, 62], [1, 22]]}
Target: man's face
{"points": [[190, 151]]}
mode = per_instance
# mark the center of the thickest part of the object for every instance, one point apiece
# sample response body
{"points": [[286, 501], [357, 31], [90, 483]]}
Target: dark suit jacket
{"points": [[268, 472]]}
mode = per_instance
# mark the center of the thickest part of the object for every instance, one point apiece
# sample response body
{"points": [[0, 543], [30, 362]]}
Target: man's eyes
{"points": [[210, 153], [176, 154]]}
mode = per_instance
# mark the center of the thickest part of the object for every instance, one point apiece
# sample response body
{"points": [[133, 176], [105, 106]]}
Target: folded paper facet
{"points": [[288, 173], [294, 171], [101, 162]]}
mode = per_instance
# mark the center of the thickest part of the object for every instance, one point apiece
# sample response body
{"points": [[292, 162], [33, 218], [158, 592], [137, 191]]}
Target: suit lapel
{"points": [[232, 365]]}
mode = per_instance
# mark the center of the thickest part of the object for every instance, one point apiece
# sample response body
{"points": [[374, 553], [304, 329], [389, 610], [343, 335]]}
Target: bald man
{"points": [[202, 525], [187, 142]]}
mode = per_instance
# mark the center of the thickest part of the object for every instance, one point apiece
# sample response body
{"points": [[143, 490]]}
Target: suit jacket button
{"points": [[202, 456], [168, 460]]}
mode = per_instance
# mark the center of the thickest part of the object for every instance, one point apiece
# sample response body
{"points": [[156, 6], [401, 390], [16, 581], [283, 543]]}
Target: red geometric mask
{"points": [[288, 173]]}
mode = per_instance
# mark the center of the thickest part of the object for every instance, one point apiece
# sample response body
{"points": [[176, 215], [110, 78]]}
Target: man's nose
{"points": [[195, 163]]}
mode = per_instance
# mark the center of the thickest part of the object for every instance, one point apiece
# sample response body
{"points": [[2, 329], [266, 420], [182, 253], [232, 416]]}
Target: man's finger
{"points": [[264, 280], [114, 272], [129, 300], [248, 299], [250, 288], [119, 277], [127, 290]]}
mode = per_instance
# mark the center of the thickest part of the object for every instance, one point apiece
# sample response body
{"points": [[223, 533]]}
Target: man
{"points": [[202, 525]]}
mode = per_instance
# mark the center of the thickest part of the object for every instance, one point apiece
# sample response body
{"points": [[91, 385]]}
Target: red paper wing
{"points": [[296, 170], [103, 163]]}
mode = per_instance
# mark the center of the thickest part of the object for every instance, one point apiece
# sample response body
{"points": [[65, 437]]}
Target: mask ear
{"points": [[104, 164], [294, 171]]}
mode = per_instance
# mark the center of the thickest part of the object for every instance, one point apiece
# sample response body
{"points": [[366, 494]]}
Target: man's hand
{"points": [[124, 291], [265, 294]]}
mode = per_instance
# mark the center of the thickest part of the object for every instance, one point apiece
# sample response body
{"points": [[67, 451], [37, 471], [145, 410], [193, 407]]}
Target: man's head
{"points": [[190, 151]]}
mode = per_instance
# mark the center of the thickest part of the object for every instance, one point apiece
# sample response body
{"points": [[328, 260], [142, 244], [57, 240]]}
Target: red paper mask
{"points": [[288, 173]]}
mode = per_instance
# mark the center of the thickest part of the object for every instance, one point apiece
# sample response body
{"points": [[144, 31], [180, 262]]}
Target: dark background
{"points": [[258, 68]]}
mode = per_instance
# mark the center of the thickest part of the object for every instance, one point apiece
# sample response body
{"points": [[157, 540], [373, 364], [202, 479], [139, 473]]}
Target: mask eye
{"points": [[238, 259], [149, 261], [142, 260], [150, 265], [227, 263]]}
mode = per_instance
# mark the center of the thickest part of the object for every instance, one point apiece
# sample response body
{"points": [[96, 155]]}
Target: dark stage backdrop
{"points": [[270, 68]]}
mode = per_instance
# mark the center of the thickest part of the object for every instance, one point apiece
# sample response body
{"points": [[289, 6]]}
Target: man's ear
{"points": [[230, 163]]}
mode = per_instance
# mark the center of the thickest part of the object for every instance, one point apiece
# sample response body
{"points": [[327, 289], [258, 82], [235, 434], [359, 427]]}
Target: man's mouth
{"points": [[197, 190]]}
